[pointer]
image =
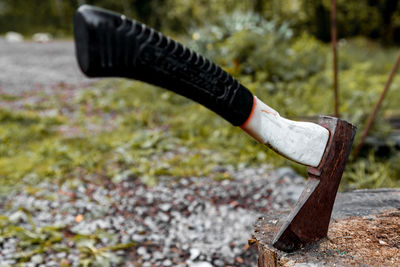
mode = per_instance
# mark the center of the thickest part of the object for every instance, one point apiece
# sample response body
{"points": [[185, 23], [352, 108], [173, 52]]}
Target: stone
{"points": [[200, 264], [141, 251], [194, 253], [61, 255], [14, 37], [18, 216], [218, 263], [167, 263], [37, 259], [358, 218], [165, 207]]}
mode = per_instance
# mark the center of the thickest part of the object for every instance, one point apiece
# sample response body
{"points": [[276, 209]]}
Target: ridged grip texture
{"points": [[110, 45]]}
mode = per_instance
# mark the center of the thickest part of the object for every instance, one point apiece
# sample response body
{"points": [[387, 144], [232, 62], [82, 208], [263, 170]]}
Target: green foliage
{"points": [[247, 44], [373, 19], [120, 129], [294, 76], [36, 16], [370, 173]]}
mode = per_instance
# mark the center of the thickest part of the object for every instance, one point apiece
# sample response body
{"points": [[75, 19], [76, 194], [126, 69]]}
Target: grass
{"points": [[118, 128], [115, 127]]}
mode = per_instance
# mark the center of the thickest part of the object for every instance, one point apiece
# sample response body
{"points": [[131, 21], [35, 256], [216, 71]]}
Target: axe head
{"points": [[309, 219]]}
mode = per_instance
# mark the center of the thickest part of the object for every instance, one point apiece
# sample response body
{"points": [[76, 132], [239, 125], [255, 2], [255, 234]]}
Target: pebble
{"points": [[146, 257], [141, 251], [194, 253], [61, 255], [17, 217], [167, 263], [165, 207], [37, 259], [218, 263], [200, 264]]}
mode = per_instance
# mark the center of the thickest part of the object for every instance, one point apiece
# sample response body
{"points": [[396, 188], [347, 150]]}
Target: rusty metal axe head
{"points": [[309, 220]]}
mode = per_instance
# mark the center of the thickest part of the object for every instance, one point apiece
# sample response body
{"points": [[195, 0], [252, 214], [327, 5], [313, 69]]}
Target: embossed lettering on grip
{"points": [[127, 48]]}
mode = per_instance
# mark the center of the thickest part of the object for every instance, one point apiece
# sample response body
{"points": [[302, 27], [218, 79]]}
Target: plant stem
{"points": [[377, 106], [335, 66]]}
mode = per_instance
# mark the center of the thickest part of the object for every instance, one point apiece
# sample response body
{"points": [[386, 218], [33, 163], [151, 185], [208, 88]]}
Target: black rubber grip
{"points": [[110, 45]]}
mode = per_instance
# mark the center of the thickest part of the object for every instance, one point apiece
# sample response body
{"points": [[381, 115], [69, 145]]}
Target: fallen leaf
{"points": [[79, 218]]}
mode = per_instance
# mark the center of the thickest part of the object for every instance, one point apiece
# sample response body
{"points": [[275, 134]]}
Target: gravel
{"points": [[192, 222], [29, 66]]}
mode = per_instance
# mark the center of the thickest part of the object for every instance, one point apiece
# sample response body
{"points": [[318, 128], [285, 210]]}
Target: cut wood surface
{"points": [[364, 230]]}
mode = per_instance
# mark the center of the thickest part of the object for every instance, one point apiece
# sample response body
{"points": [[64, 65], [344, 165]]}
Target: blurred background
{"points": [[59, 128], [279, 49], [377, 20]]}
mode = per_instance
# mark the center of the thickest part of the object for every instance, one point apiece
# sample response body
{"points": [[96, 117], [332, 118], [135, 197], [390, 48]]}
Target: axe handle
{"points": [[110, 45]]}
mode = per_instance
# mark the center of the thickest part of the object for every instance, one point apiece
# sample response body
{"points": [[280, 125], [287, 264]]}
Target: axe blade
{"points": [[309, 219]]}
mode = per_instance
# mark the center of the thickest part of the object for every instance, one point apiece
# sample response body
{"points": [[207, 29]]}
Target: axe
{"points": [[110, 45]]}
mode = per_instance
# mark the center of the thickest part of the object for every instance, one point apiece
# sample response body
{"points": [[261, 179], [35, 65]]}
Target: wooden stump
{"points": [[364, 230]]}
